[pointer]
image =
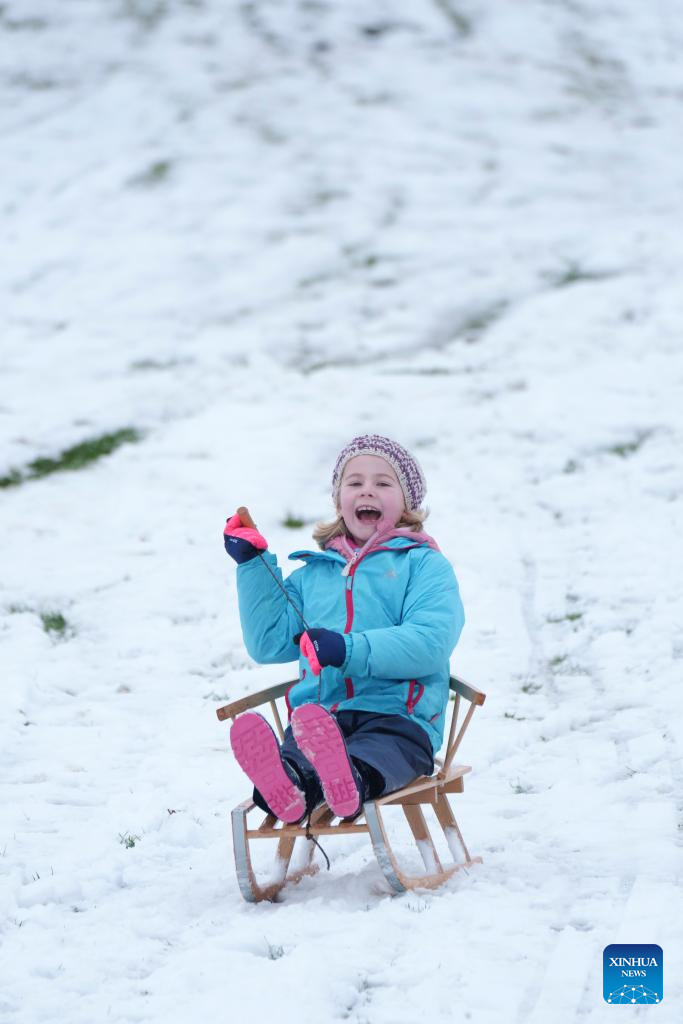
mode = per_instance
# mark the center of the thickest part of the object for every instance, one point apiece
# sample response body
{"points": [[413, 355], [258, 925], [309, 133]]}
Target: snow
{"points": [[251, 231]]}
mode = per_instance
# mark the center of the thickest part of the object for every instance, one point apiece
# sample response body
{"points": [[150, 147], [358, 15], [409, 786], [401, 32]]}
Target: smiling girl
{"points": [[367, 712]]}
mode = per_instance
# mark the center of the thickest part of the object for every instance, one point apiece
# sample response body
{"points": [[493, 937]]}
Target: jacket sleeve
{"points": [[431, 624], [267, 618]]}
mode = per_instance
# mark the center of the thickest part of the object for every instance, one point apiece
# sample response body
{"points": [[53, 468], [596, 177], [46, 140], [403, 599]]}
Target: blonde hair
{"points": [[325, 532]]}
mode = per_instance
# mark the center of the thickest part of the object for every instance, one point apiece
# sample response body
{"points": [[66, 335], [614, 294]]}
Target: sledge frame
{"points": [[435, 790]]}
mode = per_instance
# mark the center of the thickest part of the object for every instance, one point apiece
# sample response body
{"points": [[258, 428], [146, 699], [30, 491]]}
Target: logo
{"points": [[632, 973]]}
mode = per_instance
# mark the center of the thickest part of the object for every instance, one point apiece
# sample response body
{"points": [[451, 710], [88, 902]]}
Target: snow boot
{"points": [[257, 751], [321, 741]]}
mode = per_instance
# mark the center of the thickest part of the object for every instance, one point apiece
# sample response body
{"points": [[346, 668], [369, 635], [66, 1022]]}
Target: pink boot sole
{"points": [[257, 751], [320, 740]]}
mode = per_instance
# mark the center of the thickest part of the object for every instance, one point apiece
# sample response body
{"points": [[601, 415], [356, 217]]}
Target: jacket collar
{"points": [[342, 549], [381, 539]]}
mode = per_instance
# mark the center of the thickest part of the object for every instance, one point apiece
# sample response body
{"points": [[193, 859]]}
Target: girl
{"points": [[367, 713]]}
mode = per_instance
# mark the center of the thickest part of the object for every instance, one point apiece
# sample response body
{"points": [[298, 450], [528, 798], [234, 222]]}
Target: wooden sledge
{"points": [[447, 779]]}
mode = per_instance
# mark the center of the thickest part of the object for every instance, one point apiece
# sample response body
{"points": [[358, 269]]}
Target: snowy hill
{"points": [[237, 234]]}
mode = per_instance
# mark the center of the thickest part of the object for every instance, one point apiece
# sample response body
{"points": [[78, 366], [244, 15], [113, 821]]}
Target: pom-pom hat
{"points": [[406, 466]]}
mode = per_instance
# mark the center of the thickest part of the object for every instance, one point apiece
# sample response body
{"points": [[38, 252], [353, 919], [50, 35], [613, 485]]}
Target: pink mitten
{"points": [[309, 652], [234, 528], [242, 542]]}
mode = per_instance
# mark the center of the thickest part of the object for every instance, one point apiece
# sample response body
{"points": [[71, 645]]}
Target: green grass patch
{"points": [[461, 23], [157, 364], [274, 952], [574, 273], [147, 13], [626, 448], [11, 479], [427, 371], [54, 622], [128, 840], [569, 617], [73, 458], [293, 522], [477, 323], [521, 787], [156, 174]]}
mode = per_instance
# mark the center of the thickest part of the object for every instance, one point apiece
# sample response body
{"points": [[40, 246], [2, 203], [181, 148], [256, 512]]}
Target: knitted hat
{"points": [[408, 471]]}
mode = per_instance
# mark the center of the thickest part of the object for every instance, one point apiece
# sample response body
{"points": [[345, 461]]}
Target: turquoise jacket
{"points": [[399, 609]]}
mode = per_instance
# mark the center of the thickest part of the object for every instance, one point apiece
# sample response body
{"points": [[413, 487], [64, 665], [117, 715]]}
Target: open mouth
{"points": [[368, 515]]}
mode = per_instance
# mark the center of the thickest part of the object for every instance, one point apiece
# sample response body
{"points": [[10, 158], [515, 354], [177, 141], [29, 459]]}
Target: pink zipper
{"points": [[413, 701], [351, 566]]}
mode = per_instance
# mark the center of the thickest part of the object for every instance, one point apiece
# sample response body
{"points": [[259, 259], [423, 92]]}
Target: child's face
{"points": [[369, 482]]}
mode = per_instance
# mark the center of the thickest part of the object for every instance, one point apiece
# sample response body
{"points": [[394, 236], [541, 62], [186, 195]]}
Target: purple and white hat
{"points": [[406, 466]]}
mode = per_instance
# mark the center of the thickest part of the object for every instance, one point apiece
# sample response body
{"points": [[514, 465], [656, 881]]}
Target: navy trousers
{"points": [[388, 751]]}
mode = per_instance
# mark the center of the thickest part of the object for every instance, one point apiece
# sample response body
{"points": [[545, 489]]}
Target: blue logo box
{"points": [[633, 973]]}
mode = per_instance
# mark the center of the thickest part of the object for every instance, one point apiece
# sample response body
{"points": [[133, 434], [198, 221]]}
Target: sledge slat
{"points": [[431, 795], [297, 830], [434, 782], [466, 690], [253, 700]]}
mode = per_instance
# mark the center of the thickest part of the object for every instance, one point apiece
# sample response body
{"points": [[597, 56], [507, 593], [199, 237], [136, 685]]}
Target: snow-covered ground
{"points": [[249, 231]]}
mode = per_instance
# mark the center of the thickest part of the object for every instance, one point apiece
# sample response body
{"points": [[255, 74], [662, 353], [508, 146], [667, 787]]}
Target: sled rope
{"points": [[300, 614], [245, 517], [315, 841]]}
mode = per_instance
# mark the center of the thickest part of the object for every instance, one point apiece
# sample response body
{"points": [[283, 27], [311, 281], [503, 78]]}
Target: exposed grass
{"points": [[73, 458], [11, 479], [274, 952], [293, 522], [472, 328], [156, 174], [521, 787], [427, 371], [128, 840], [569, 617], [29, 24], [460, 22], [158, 364], [574, 273], [622, 449], [418, 908], [625, 448], [54, 622], [147, 13]]}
